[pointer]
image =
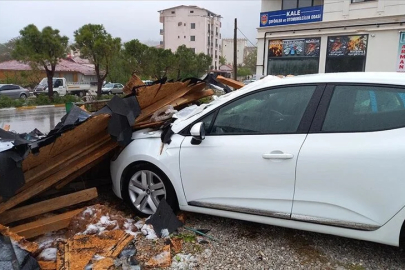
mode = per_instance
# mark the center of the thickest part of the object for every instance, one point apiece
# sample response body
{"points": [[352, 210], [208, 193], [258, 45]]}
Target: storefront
{"points": [[294, 56], [327, 38]]}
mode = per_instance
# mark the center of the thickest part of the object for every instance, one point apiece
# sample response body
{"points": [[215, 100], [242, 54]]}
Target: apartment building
{"points": [[227, 50], [195, 27], [318, 36]]}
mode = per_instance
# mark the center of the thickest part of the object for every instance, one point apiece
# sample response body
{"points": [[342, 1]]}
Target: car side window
{"points": [[273, 111], [365, 108], [14, 87]]}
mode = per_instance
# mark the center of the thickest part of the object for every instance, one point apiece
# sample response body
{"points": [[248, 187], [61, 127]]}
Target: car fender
{"points": [[149, 149]]}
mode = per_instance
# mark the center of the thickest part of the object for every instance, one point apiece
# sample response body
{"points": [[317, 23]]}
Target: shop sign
{"points": [[309, 47], [291, 16], [401, 53], [347, 45]]}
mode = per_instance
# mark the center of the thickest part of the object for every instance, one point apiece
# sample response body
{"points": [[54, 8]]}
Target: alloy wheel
{"points": [[146, 190]]}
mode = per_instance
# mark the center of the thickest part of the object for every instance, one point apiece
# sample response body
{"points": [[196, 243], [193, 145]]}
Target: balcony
{"points": [[162, 31]]}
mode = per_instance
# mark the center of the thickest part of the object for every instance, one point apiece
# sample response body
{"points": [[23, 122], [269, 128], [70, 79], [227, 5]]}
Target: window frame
{"points": [[191, 38], [361, 1], [191, 25], [324, 104], [297, 4], [303, 127]]}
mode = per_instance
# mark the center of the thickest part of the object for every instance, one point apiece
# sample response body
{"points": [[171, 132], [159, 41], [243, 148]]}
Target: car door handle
{"points": [[278, 156]]}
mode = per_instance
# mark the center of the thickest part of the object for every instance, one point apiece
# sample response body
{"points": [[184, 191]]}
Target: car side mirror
{"points": [[198, 133]]}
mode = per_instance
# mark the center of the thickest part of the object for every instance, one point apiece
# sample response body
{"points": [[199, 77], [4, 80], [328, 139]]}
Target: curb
{"points": [[33, 107]]}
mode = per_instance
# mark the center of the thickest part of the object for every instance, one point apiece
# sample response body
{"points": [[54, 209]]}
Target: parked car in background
{"points": [[112, 88], [14, 91], [322, 153], [147, 82], [245, 82]]}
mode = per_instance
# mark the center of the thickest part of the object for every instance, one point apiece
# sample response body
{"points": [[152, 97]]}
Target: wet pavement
{"points": [[21, 121]]}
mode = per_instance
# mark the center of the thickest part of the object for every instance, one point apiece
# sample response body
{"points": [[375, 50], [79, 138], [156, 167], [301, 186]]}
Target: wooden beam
{"points": [[230, 82], [47, 206], [46, 225], [57, 177]]}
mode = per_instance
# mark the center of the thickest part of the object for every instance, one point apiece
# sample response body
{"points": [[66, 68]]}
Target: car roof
{"points": [[392, 78]]}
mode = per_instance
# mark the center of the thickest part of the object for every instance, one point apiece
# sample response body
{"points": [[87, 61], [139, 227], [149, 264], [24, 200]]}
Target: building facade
{"points": [[195, 27], [227, 50], [321, 36]]}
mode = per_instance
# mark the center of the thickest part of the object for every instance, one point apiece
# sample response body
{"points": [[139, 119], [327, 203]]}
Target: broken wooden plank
{"points": [[55, 178], [192, 97], [31, 247], [67, 140], [133, 81], [47, 265], [49, 168], [79, 172], [79, 250], [46, 225], [148, 111], [48, 205], [230, 82]]}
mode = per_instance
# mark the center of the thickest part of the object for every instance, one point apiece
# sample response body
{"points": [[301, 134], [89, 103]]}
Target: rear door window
{"points": [[365, 108]]}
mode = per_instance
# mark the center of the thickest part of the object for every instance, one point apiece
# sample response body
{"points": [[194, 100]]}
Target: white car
{"points": [[322, 153]]}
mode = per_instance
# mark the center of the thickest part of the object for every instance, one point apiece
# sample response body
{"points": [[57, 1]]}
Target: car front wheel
{"points": [[144, 187]]}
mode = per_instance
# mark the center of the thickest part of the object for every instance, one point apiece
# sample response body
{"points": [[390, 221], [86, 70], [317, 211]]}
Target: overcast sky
{"points": [[125, 19]]}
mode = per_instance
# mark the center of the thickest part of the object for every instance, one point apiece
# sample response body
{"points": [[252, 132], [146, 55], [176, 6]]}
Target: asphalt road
{"points": [[44, 119]]}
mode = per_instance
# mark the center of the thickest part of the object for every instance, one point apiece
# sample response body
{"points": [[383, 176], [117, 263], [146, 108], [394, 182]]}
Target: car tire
{"points": [[55, 94], [81, 94], [141, 197], [23, 96], [110, 93]]}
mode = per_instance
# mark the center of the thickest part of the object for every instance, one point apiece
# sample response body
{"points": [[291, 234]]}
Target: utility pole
{"points": [[235, 50]]}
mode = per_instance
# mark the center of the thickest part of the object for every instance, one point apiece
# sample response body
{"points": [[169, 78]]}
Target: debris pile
{"points": [[34, 169]]}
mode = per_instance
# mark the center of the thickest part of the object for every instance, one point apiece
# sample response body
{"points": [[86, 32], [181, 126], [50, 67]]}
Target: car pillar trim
{"points": [[336, 223], [243, 210]]}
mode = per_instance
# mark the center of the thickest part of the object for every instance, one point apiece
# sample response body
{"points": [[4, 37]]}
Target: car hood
{"points": [[146, 134]]}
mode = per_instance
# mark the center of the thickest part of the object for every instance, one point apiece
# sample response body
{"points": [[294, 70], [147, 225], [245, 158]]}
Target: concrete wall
{"points": [[335, 10], [177, 30], [227, 50]]}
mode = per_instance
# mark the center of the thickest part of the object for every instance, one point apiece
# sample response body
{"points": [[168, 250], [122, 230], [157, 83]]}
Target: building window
{"points": [[293, 4], [193, 49], [294, 56], [184, 24], [191, 11], [192, 25], [346, 54], [173, 12], [359, 1], [178, 36], [192, 38]]}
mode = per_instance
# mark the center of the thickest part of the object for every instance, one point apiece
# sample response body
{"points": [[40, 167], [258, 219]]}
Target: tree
{"points": [[6, 50], [251, 60], [222, 60], [41, 49], [99, 47], [137, 56], [203, 63]]}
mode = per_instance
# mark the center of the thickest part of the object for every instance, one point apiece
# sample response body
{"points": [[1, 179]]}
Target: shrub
{"points": [[6, 102]]}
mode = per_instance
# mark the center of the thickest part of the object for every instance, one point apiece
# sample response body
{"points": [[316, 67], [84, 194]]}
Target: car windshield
{"points": [[109, 85]]}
